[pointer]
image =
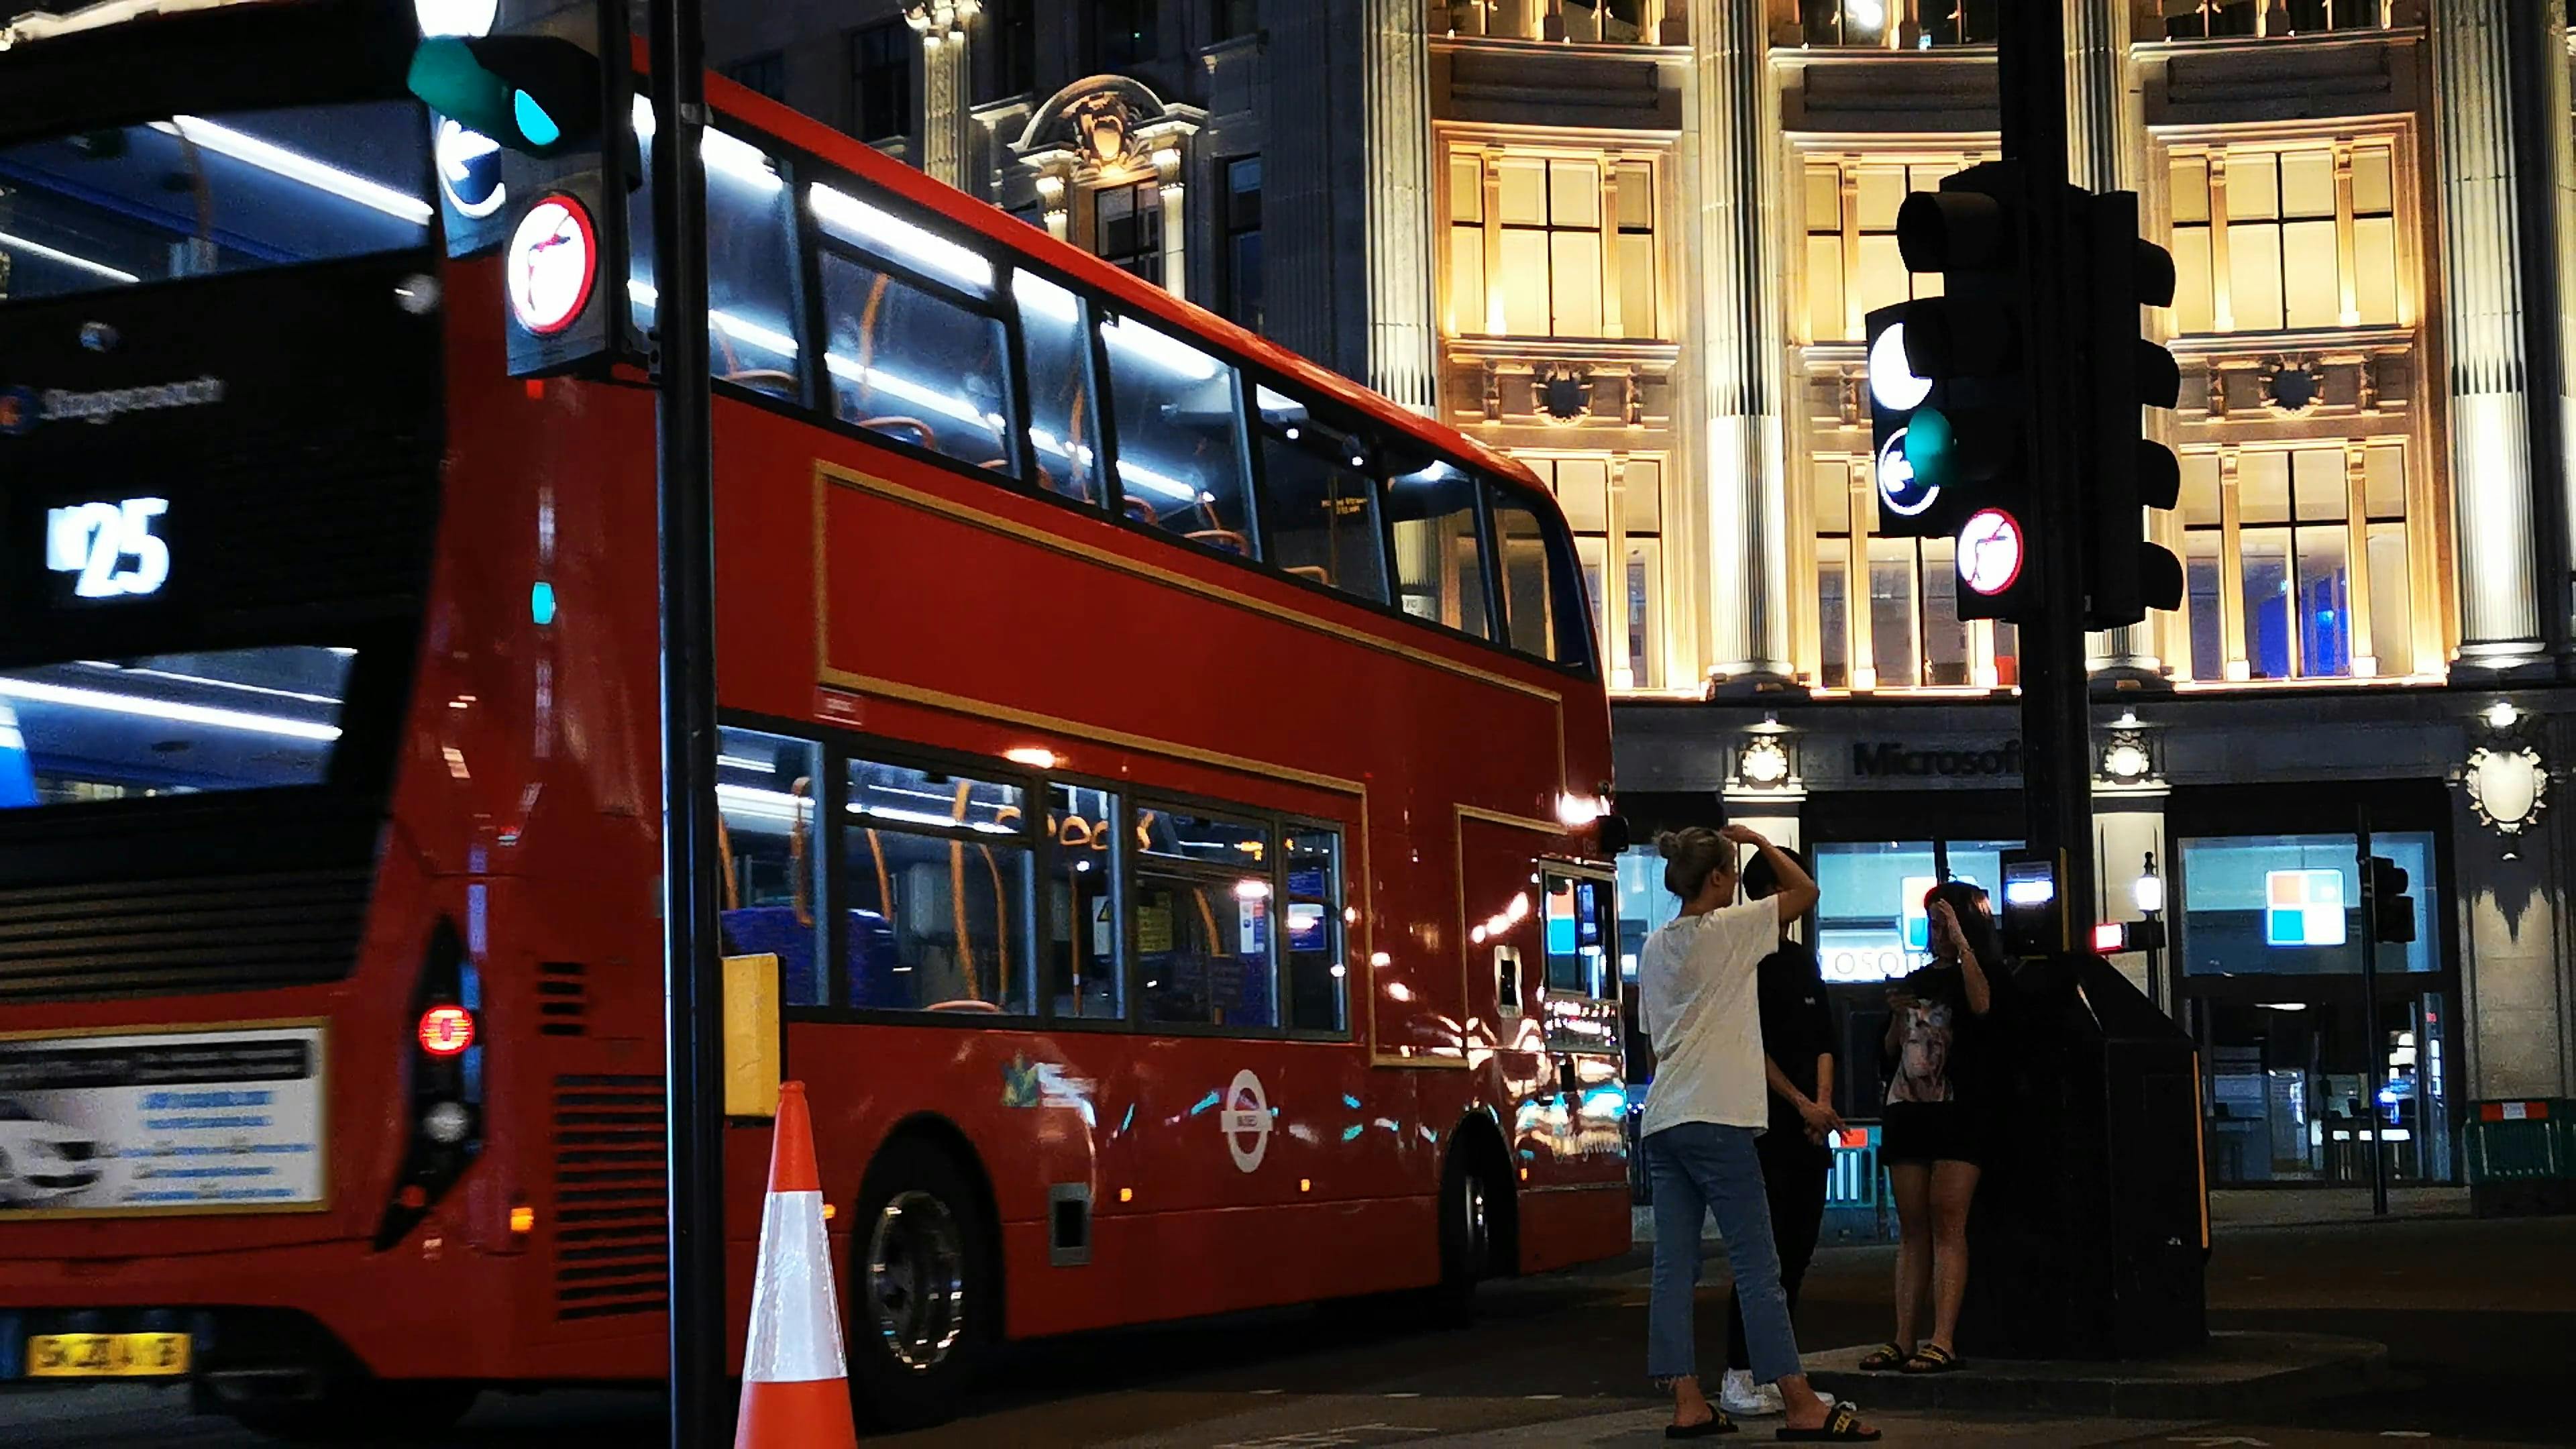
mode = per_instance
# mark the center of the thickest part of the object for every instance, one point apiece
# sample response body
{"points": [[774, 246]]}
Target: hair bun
{"points": [[1671, 843]]}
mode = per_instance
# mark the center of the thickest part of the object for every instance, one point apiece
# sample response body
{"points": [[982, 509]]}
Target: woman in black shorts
{"points": [[1937, 1116]]}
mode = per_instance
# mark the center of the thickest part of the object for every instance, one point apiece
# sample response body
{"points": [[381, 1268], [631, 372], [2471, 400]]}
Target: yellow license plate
{"points": [[106, 1355]]}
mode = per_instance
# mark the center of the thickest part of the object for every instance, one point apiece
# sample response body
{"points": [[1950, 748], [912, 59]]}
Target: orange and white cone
{"points": [[795, 1383]]}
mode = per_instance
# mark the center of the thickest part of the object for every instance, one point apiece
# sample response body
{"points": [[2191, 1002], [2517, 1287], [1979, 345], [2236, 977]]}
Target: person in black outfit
{"points": [[1939, 1105], [1798, 1058]]}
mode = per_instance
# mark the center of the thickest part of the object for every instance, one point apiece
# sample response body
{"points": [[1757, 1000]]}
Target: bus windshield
{"points": [[192, 196]]}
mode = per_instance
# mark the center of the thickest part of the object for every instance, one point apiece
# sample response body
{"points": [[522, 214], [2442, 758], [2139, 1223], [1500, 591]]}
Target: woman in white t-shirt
{"points": [[1697, 1002]]}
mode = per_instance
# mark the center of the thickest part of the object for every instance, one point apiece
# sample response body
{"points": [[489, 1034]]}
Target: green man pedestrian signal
{"points": [[2125, 474], [538, 95]]}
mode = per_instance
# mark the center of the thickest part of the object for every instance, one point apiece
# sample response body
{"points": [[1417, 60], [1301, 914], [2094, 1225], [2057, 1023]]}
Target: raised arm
{"points": [[1972, 972], [1797, 894]]}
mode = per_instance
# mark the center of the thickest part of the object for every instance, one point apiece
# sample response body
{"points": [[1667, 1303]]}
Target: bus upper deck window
{"points": [[1323, 504], [1541, 603], [751, 263], [1439, 550], [1064, 428], [1179, 437]]}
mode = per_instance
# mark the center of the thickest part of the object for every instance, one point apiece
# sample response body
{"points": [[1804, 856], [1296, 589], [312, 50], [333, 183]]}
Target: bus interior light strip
{"points": [[296, 166], [644, 295], [850, 369], [67, 259], [37, 691], [904, 240], [1166, 352]]}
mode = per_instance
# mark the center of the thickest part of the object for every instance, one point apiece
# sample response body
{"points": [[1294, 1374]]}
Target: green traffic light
{"points": [[1932, 447], [538, 95], [534, 123]]}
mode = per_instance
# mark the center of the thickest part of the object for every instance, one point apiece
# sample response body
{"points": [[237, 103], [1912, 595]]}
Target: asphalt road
{"points": [[2480, 1319]]}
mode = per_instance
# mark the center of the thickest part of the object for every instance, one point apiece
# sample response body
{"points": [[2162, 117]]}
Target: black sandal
{"points": [[1704, 1429], [1884, 1357], [1842, 1426], [1932, 1358]]}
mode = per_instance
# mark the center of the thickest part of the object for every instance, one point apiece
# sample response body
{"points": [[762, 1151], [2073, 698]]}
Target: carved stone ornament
{"points": [[1563, 392], [2292, 385], [2127, 760], [2508, 786], [1764, 761], [1106, 126]]}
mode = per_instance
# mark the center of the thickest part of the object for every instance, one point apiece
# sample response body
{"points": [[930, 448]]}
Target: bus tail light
{"points": [[446, 1030], [444, 1076]]}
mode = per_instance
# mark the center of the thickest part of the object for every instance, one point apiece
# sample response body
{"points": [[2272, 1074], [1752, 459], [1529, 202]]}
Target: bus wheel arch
{"points": [[925, 1275]]}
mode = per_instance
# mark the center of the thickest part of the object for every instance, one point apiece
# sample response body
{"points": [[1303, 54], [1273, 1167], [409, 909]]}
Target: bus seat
{"points": [[870, 967], [774, 931], [928, 438], [1224, 538], [1310, 571], [763, 379]]}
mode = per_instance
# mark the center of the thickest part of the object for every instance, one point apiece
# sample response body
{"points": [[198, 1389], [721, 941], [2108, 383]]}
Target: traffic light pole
{"points": [[2370, 1015], [693, 976], [2057, 731]]}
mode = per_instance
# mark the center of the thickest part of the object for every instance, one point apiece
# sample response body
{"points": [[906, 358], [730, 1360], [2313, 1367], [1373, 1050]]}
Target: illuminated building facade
{"points": [[1632, 241]]}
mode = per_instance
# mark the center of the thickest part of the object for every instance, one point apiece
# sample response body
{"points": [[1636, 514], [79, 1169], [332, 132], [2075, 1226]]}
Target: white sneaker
{"points": [[1739, 1395]]}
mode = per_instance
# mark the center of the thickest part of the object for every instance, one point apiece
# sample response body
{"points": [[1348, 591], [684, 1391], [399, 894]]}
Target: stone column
{"points": [[2554, 208], [1735, 108], [2482, 165], [947, 79], [1395, 110]]}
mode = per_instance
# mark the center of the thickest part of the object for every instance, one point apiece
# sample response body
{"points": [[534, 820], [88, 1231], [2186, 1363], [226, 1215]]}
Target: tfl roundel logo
{"points": [[18, 411]]}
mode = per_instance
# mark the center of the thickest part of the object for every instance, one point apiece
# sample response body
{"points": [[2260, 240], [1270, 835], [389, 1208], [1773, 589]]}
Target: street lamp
{"points": [[2148, 892]]}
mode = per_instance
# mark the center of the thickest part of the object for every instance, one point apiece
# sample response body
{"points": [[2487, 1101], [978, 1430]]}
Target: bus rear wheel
{"points": [[925, 1288], [372, 1411]]}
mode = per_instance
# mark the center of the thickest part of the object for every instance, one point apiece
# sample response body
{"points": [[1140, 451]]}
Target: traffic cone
{"points": [[795, 1383]]}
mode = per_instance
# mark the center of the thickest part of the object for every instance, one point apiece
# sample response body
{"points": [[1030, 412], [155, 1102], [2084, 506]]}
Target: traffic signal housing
{"points": [[1971, 345], [2123, 473], [2391, 910], [535, 159]]}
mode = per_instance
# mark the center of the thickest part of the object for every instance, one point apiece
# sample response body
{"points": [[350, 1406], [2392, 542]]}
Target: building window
{"points": [[1551, 246], [1884, 25], [1127, 228], [1124, 33], [2296, 561], [2227, 19], [1615, 506], [765, 73], [1230, 18], [1853, 265], [2274, 239], [1243, 241], [1009, 50], [881, 81], [1887, 609]]}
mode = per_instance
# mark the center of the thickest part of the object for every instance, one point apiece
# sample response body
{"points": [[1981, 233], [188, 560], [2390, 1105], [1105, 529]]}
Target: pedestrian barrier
{"points": [[2521, 1157], [795, 1382]]}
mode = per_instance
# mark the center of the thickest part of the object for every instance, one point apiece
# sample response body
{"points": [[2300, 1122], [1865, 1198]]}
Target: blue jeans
{"points": [[1698, 1168]]}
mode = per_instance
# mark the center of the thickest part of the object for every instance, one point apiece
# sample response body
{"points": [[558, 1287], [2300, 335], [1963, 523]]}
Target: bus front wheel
{"points": [[925, 1290]]}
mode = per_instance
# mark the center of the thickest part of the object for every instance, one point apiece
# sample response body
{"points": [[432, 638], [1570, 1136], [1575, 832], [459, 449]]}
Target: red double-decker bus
{"points": [[1159, 777]]}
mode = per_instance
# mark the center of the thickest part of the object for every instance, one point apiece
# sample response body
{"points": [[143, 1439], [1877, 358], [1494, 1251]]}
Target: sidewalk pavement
{"points": [[1640, 1427]]}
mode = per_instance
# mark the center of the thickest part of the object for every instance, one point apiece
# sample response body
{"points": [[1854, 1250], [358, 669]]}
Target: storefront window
{"points": [[2290, 905], [1870, 924]]}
